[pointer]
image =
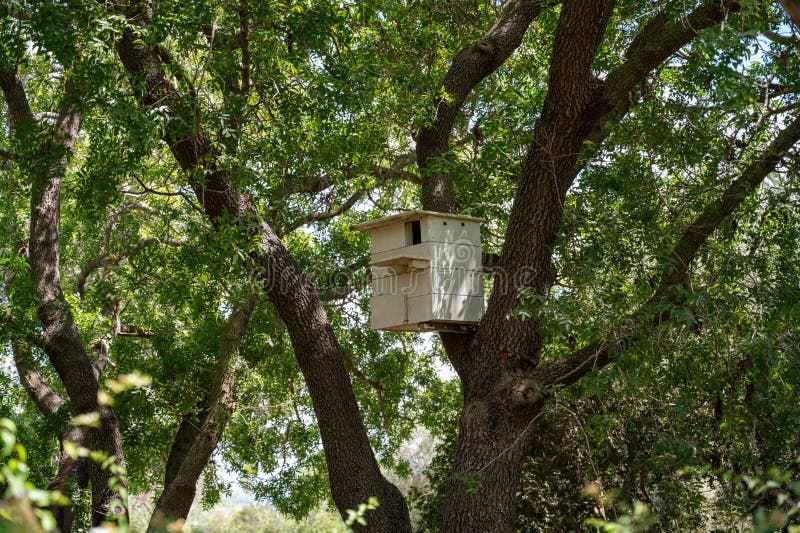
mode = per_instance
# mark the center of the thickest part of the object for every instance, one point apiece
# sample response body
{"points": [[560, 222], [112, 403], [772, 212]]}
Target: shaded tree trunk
{"points": [[61, 338], [197, 439], [353, 471]]}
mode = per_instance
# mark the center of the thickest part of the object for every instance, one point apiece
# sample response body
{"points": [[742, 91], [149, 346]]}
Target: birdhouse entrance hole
{"points": [[413, 232]]}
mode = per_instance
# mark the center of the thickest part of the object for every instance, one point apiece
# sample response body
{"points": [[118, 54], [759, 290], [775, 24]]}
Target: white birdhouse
{"points": [[426, 272]]}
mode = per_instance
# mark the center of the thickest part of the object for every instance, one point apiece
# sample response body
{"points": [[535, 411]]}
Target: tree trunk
{"points": [[493, 437], [492, 444], [197, 440], [62, 340], [353, 471]]}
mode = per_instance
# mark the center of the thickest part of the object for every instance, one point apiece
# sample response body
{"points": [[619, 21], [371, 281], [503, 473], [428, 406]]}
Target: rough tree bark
{"points": [[493, 436], [792, 7], [62, 341], [49, 403], [197, 440], [499, 364], [352, 468]]}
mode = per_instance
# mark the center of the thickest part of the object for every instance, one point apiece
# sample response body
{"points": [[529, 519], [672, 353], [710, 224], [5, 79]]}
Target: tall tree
{"points": [[251, 123], [45, 152]]}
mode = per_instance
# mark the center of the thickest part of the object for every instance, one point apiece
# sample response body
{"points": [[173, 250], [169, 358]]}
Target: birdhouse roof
{"points": [[405, 216]]}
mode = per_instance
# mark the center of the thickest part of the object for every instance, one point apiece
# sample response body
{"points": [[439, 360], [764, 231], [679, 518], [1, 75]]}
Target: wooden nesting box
{"points": [[426, 272]]}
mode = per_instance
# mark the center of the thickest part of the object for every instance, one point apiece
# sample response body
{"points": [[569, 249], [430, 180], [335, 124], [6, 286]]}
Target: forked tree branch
{"points": [[599, 353], [469, 67], [106, 260]]}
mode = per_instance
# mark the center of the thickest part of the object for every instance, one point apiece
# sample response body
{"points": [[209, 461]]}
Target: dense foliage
{"points": [[315, 113]]}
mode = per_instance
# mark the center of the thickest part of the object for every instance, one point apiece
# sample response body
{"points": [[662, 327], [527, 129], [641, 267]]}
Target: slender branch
{"points": [[244, 45], [327, 215], [105, 260], [49, 404], [40, 392], [46, 115], [148, 190], [119, 212], [381, 174], [602, 352], [127, 330], [783, 109], [654, 43], [178, 494], [333, 290], [293, 184], [363, 378], [778, 38], [396, 174]]}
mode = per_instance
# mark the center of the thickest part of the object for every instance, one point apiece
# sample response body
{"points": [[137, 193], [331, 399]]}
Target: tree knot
{"points": [[484, 46]]}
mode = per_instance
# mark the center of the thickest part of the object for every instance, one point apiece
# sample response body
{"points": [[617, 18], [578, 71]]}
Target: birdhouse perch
{"points": [[426, 271]]}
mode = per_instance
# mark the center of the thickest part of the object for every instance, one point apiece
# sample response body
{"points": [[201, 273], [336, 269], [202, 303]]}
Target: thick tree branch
{"points": [[353, 471], [602, 352], [43, 396], [535, 218], [62, 341], [469, 67], [792, 7], [655, 42], [19, 111], [188, 463]]}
